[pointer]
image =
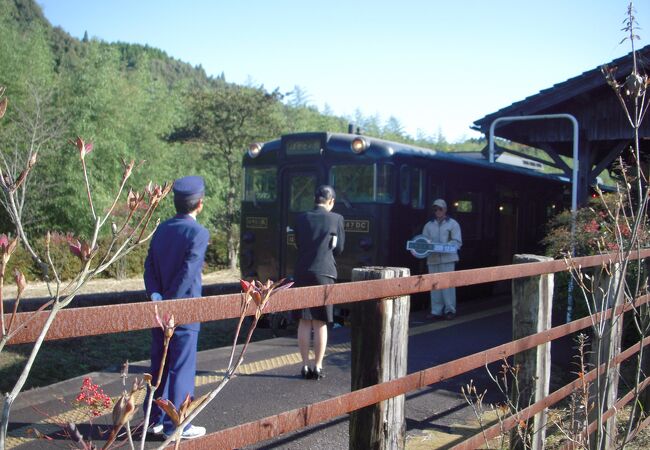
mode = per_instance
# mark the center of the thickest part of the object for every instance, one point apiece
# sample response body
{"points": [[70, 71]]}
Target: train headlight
{"points": [[359, 145], [248, 237], [365, 243], [254, 149], [247, 261]]}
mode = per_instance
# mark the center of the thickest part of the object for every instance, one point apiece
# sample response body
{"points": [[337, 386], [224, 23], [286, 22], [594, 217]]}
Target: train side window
{"points": [[417, 188], [404, 184], [464, 206], [384, 183], [435, 189], [489, 217], [301, 195], [353, 182], [363, 183], [260, 184]]}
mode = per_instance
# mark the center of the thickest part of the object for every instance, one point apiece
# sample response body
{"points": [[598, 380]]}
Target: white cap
{"points": [[440, 203]]}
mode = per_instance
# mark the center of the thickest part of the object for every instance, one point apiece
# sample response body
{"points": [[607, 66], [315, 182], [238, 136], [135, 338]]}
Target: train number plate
{"points": [[357, 226], [257, 222]]}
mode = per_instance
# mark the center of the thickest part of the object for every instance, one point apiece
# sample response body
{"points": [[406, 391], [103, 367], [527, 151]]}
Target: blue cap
{"points": [[189, 188]]}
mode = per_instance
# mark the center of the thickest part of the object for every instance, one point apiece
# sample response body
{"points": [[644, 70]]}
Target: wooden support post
{"points": [[607, 293], [643, 405], [532, 304], [379, 353]]}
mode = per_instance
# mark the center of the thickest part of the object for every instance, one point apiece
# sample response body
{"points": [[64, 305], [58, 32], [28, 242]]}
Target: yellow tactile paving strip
{"points": [[266, 364], [51, 424]]}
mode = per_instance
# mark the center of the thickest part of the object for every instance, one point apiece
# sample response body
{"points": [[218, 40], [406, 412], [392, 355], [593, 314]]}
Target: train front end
{"points": [[279, 181]]}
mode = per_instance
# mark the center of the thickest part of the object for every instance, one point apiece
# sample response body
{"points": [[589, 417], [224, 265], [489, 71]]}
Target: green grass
{"points": [[69, 358]]}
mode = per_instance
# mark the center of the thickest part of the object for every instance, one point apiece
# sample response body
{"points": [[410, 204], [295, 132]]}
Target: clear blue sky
{"points": [[434, 65]]}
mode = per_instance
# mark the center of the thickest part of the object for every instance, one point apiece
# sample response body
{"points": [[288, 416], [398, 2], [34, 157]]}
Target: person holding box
{"points": [[443, 230]]}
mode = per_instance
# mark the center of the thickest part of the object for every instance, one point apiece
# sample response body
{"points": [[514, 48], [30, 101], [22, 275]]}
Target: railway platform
{"points": [[269, 382]]}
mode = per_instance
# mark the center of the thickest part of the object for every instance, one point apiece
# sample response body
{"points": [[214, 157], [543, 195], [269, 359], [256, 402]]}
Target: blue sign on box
{"points": [[421, 247]]}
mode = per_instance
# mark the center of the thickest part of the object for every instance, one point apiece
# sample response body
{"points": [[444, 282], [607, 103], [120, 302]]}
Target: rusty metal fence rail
{"points": [[296, 419], [128, 317], [90, 321]]}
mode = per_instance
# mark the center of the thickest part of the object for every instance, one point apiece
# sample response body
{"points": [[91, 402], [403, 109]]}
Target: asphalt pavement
{"points": [[269, 383]]}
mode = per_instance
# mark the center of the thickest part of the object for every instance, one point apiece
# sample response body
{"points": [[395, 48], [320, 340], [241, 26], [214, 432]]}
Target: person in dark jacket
{"points": [[172, 270], [320, 235]]}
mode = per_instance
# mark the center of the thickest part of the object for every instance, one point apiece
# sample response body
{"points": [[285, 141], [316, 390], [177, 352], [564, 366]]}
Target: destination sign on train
{"points": [[421, 247], [303, 146]]}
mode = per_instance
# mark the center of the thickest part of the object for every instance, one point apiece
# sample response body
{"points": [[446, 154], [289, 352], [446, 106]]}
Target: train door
{"points": [[466, 207], [507, 235], [507, 226], [298, 187]]}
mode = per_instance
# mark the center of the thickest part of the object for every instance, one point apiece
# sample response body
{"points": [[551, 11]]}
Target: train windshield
{"points": [[260, 184], [363, 183], [301, 192]]}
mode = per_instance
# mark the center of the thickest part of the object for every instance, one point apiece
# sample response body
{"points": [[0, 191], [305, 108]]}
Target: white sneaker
{"points": [[156, 429], [192, 432]]}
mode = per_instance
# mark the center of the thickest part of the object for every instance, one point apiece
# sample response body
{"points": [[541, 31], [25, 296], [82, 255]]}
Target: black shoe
{"points": [[434, 316], [450, 315], [307, 373], [317, 374]]}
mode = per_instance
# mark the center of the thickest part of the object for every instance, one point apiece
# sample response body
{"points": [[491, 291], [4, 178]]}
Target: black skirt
{"points": [[322, 313]]}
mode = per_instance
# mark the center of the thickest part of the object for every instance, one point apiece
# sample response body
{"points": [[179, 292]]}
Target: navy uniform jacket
{"points": [[314, 231], [175, 259]]}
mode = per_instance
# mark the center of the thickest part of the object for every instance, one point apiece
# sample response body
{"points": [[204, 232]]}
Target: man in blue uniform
{"points": [[320, 235], [172, 270]]}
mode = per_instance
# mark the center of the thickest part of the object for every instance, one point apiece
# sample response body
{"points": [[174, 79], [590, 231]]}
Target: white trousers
{"points": [[443, 301]]}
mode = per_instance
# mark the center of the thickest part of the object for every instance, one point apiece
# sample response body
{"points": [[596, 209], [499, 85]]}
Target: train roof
{"points": [[381, 148], [410, 150]]}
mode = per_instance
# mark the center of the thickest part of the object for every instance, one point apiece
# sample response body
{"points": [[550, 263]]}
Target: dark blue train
{"points": [[384, 192]]}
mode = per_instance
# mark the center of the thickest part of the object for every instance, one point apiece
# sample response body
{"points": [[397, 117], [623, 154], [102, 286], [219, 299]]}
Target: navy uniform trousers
{"points": [[180, 363]]}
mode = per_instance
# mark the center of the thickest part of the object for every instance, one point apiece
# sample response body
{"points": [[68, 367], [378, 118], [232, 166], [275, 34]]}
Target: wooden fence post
{"points": [[607, 281], [379, 353], [643, 406], [532, 304]]}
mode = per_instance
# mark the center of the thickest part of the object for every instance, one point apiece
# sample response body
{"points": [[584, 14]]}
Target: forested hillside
{"points": [[136, 102]]}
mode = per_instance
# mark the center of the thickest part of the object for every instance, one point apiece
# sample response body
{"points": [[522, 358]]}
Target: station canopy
{"points": [[604, 130]]}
